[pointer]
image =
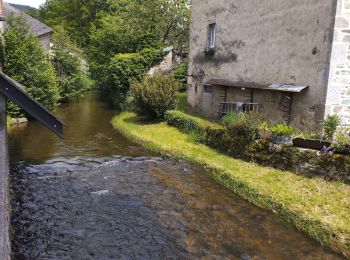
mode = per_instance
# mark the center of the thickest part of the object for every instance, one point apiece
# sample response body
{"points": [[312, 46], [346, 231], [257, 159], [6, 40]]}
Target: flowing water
{"points": [[95, 195]]}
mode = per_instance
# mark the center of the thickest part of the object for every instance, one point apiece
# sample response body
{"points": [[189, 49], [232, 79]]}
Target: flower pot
{"points": [[344, 151], [265, 134], [311, 144], [277, 139]]}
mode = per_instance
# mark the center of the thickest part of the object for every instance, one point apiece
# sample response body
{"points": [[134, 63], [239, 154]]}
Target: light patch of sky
{"points": [[33, 3]]}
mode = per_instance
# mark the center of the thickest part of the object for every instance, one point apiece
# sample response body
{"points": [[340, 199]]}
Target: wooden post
{"points": [[4, 169]]}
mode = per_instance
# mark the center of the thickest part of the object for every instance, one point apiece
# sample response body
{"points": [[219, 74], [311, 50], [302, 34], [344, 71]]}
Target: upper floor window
{"points": [[212, 36]]}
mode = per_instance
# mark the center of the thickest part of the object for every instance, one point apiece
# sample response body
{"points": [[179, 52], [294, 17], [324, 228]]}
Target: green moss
{"points": [[313, 205]]}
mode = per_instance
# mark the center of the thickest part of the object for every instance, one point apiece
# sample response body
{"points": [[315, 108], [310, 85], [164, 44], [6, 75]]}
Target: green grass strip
{"points": [[314, 205]]}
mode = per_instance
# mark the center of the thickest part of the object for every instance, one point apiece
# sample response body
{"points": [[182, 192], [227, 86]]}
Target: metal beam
{"points": [[14, 91]]}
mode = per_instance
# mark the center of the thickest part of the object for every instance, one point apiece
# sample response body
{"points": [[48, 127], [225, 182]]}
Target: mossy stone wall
{"points": [[285, 157]]}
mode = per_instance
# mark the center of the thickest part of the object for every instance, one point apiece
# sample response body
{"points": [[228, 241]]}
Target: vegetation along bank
{"points": [[314, 205]]}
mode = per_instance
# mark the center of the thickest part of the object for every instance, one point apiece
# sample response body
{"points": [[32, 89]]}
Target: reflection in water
{"points": [[81, 201], [88, 132]]}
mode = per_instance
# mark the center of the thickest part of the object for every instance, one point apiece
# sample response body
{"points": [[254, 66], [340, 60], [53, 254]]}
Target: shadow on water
{"points": [[94, 195]]}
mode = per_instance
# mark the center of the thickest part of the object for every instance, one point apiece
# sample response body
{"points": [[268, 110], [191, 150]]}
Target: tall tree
{"points": [[26, 62], [132, 25], [70, 66], [75, 16]]}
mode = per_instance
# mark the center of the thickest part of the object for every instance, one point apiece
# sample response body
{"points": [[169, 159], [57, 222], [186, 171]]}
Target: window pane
{"points": [[212, 35]]}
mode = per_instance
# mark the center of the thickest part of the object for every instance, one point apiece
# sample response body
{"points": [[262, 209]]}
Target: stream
{"points": [[95, 195]]}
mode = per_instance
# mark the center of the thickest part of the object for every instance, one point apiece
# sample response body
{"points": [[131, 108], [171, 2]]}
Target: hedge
{"points": [[283, 157]]}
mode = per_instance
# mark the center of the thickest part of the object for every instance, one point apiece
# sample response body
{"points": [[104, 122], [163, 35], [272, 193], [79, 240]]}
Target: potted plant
{"points": [[312, 140], [264, 131], [282, 133], [330, 125], [319, 141], [342, 142]]}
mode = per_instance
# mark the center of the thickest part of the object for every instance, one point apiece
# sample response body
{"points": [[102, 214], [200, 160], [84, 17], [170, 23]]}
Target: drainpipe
{"points": [[4, 167]]}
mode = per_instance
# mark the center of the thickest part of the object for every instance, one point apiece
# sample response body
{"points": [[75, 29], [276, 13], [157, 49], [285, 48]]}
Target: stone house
{"points": [[289, 60], [39, 29], [169, 62]]}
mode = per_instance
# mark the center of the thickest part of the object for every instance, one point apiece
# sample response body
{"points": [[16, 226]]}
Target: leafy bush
{"points": [[68, 61], [330, 125], [126, 68], [26, 62], [264, 126], [154, 95], [243, 124], [283, 130]]}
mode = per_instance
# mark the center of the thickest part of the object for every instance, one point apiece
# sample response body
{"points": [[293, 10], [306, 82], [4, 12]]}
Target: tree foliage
{"points": [[33, 12], [76, 16], [126, 68], [132, 25], [69, 62], [114, 34], [26, 62]]}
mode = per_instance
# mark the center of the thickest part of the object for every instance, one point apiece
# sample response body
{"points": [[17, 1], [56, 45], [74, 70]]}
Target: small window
{"points": [[208, 89], [212, 36]]}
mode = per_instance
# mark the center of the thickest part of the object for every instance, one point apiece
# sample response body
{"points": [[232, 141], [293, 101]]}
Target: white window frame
{"points": [[212, 36]]}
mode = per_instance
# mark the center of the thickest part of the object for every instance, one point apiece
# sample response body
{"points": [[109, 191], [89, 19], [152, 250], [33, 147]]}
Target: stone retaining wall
{"points": [[4, 173], [284, 157]]}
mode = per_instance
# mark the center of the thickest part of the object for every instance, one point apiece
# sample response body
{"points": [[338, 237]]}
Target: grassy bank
{"points": [[313, 205]]}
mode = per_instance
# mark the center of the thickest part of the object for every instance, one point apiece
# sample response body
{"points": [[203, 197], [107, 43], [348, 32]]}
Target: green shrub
{"points": [[243, 124], [127, 68], [154, 95], [330, 125], [26, 62], [283, 130]]}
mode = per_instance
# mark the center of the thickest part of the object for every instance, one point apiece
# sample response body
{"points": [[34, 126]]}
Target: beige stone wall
{"points": [[338, 95], [266, 42], [165, 65], [45, 41]]}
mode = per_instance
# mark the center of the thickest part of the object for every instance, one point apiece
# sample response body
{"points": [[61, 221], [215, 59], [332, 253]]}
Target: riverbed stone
{"points": [[158, 212]]}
